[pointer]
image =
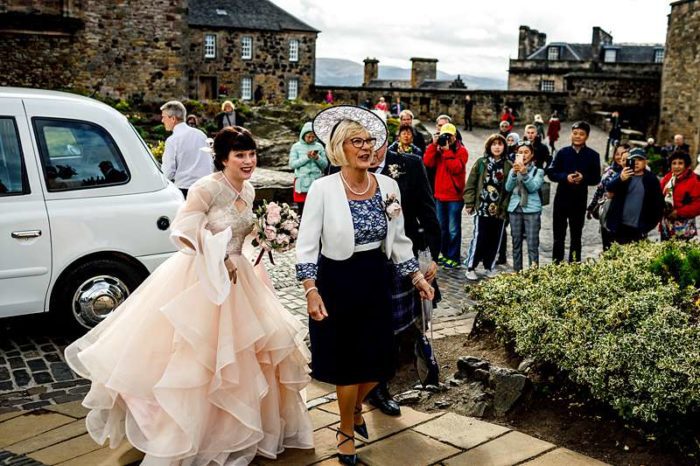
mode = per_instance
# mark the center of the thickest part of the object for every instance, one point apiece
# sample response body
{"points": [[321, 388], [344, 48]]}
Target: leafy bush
{"points": [[122, 106], [157, 150], [624, 326]]}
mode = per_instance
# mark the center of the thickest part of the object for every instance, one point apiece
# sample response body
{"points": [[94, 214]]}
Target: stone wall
{"points": [[680, 94], [270, 66], [140, 50], [637, 101], [488, 105]]}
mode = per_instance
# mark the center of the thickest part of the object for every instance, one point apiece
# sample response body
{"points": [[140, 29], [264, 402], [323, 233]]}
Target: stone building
{"points": [[423, 76], [680, 94], [157, 49], [603, 75]]}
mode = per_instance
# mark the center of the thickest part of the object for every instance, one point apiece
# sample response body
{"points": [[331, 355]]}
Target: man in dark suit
{"points": [[423, 229]]}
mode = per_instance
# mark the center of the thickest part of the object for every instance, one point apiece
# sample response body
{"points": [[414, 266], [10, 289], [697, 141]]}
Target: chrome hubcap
{"points": [[96, 298]]}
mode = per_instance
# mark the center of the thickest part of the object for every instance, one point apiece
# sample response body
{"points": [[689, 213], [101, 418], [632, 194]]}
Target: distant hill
{"points": [[341, 72]]}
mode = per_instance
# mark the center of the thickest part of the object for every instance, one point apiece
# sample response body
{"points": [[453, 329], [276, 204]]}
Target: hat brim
{"points": [[327, 119]]}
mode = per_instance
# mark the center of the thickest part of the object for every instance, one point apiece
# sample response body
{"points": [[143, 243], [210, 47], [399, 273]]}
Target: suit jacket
{"points": [[327, 223], [418, 204]]}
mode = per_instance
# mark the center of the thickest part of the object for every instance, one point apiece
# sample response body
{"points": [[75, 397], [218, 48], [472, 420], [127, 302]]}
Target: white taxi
{"points": [[84, 208]]}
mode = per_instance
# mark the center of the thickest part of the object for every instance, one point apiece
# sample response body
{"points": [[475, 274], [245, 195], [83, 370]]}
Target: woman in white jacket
{"points": [[351, 225]]}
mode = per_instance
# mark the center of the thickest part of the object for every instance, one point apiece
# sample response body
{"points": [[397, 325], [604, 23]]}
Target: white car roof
{"points": [[37, 94]]}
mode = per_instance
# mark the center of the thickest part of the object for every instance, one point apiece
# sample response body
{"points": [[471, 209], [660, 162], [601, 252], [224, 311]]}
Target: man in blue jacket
{"points": [[574, 169]]}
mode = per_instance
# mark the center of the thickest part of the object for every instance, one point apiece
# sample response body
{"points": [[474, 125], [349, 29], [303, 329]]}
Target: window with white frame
{"points": [[293, 89], [246, 88], [247, 48], [547, 85], [659, 56], [210, 46], [553, 53], [293, 50], [610, 56]]}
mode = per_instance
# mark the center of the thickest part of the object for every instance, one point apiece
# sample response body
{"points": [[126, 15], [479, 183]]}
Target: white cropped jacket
{"points": [[327, 223]]}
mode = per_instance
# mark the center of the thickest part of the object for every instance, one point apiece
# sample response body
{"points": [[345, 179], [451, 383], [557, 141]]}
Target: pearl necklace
{"points": [[369, 185]]}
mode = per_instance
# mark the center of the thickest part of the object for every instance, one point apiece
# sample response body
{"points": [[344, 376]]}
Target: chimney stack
{"points": [[422, 69], [529, 41], [599, 39], [371, 70]]}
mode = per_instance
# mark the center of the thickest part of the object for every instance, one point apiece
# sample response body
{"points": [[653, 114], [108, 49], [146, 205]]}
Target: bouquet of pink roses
{"points": [[277, 227]]}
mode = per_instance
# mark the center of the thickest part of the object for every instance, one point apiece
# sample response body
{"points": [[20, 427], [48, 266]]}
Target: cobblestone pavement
{"points": [[33, 373]]}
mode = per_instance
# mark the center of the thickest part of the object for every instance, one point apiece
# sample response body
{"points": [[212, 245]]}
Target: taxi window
{"points": [[78, 155]]}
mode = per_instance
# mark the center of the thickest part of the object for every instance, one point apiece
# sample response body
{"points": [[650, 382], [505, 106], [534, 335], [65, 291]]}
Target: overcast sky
{"points": [[469, 37]]}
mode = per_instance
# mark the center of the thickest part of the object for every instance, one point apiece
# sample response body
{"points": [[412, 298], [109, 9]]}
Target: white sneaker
{"points": [[471, 275], [491, 273]]}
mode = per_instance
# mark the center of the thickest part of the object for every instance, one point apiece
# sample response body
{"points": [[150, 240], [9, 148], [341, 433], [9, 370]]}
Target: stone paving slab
{"points": [[508, 450], [123, 455], [66, 450], [47, 439], [43, 437], [563, 456], [461, 431], [28, 426], [406, 448]]}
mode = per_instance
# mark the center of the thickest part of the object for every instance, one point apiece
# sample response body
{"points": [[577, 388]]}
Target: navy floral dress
{"points": [[354, 344]]}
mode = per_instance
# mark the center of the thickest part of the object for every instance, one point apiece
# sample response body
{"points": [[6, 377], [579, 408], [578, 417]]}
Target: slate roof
{"points": [[627, 53], [634, 53], [256, 15], [398, 83]]}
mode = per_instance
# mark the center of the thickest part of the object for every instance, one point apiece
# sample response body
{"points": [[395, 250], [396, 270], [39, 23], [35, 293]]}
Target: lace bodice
{"points": [[211, 206], [224, 213]]}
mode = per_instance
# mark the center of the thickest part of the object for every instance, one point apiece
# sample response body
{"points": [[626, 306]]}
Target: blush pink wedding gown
{"points": [[193, 369]]}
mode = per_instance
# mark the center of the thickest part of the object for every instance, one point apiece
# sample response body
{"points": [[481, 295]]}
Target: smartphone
{"points": [[519, 159], [630, 164]]}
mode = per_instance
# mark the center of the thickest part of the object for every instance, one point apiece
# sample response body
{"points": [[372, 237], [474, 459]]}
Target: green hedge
{"points": [[620, 326]]}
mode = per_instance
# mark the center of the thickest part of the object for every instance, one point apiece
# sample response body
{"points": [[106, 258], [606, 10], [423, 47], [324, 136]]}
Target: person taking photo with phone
{"points": [[308, 159], [637, 204]]}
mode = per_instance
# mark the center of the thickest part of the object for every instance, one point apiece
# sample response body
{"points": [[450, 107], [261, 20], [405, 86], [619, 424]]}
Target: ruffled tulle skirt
{"points": [[190, 382]]}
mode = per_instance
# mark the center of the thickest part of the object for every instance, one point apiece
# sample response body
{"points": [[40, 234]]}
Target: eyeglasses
{"points": [[359, 142], [524, 143]]}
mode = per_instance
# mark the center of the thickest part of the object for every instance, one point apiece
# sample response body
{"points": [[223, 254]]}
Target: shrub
{"points": [[122, 106], [157, 150], [624, 326]]}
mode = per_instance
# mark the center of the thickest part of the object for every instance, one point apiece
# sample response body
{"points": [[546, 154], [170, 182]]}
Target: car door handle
{"points": [[26, 234]]}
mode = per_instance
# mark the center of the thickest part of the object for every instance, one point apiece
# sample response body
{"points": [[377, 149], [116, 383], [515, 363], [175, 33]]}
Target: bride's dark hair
{"points": [[228, 139]]}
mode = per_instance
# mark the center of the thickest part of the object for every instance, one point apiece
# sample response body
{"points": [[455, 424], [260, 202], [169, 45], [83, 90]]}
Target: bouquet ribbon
{"points": [[262, 253]]}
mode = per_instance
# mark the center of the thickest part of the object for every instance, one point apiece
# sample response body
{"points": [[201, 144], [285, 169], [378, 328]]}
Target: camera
{"points": [[443, 140]]}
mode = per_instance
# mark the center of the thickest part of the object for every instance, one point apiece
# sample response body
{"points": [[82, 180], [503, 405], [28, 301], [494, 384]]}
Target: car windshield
{"points": [[145, 146]]}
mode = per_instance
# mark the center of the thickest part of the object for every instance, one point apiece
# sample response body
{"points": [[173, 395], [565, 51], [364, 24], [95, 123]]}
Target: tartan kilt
{"points": [[405, 302]]}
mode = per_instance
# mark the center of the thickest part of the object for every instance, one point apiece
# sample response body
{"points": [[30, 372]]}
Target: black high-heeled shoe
{"points": [[350, 460], [361, 428]]}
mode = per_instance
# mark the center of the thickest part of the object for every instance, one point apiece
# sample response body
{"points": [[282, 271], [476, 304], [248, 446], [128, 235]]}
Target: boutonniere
{"points": [[394, 170], [392, 207]]}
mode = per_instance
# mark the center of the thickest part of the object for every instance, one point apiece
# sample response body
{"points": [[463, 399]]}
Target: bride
{"points": [[201, 365]]}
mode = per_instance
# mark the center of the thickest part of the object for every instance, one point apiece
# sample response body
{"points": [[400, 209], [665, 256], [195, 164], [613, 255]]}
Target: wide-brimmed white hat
{"points": [[327, 120]]}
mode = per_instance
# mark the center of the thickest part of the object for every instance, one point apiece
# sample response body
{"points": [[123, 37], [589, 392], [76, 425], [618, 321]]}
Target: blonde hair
{"points": [[341, 132], [227, 102]]}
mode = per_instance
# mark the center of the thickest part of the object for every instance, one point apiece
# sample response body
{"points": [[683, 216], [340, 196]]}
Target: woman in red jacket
{"points": [[681, 188], [449, 157], [553, 128]]}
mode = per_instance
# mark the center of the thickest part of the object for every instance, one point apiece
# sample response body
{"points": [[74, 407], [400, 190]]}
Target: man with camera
{"points": [[448, 157], [574, 168], [637, 203]]}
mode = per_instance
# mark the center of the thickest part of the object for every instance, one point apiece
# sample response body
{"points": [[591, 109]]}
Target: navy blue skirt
{"points": [[355, 343]]}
